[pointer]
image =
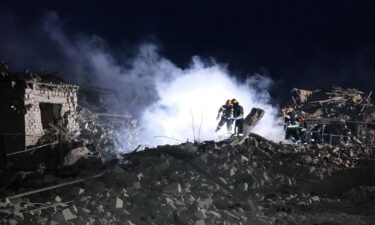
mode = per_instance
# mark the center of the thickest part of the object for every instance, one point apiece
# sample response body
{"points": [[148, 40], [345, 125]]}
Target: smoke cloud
{"points": [[189, 103], [172, 104]]}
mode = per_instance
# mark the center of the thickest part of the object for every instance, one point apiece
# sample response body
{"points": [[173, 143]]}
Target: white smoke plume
{"points": [[189, 103], [172, 104]]}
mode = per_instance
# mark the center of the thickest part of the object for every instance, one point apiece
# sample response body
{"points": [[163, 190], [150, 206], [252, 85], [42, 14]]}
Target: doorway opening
{"points": [[50, 114]]}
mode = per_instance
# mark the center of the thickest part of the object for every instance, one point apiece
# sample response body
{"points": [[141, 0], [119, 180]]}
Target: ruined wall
{"points": [[36, 93], [12, 122]]}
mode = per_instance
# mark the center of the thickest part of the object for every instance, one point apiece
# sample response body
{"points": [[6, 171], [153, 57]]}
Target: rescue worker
{"points": [[346, 134], [303, 132], [238, 116], [291, 124], [226, 112]]}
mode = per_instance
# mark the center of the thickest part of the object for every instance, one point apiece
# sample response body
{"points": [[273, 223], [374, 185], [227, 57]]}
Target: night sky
{"points": [[306, 44]]}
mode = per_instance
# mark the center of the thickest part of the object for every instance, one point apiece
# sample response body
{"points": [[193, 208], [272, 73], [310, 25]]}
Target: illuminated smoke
{"points": [[171, 103], [189, 103]]}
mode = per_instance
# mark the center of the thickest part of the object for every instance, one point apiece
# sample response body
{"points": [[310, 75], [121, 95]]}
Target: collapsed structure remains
{"points": [[30, 104], [337, 117], [238, 181]]}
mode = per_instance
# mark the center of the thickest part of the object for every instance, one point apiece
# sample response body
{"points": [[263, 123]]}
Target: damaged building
{"points": [[240, 180], [338, 116], [31, 104]]}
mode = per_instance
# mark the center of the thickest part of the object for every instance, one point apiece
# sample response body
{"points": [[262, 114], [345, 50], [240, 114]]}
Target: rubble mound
{"points": [[105, 135], [339, 117], [338, 103], [258, 182]]}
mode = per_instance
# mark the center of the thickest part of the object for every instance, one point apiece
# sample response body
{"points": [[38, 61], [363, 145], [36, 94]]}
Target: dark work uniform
{"points": [[226, 112], [291, 126], [239, 118], [303, 133]]}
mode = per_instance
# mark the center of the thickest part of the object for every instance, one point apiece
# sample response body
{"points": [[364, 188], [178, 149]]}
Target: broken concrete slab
{"points": [[137, 185], [173, 188], [116, 203], [200, 222], [64, 216]]}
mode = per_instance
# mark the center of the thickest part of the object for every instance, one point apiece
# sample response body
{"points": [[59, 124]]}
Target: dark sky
{"points": [[308, 44]]}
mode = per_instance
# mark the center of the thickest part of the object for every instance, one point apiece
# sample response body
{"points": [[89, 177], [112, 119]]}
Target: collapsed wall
{"points": [[36, 110], [41, 120], [48, 103], [35, 101]]}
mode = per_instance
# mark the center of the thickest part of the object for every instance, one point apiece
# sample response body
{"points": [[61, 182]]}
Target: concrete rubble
{"points": [[39, 111], [104, 136], [341, 117], [258, 182], [237, 181]]}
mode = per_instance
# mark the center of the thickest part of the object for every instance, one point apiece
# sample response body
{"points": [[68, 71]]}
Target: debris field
{"points": [[258, 182], [241, 180]]}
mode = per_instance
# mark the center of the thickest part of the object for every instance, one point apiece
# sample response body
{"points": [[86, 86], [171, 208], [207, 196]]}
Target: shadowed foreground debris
{"points": [[258, 182]]}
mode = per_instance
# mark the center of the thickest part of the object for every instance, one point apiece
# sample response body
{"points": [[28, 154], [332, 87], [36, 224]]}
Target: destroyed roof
{"points": [[336, 103], [33, 77], [321, 97]]}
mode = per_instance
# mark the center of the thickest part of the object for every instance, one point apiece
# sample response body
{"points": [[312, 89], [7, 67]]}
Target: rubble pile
{"points": [[339, 117], [258, 182], [46, 110], [339, 103], [244, 179], [106, 136]]}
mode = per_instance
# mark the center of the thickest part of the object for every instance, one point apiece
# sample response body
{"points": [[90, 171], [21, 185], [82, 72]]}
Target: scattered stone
{"points": [[19, 216], [137, 185], [128, 222], [315, 198], [140, 176], [64, 215], [215, 214], [244, 159], [74, 155], [243, 187], [205, 203], [199, 222], [173, 188], [116, 203], [58, 199], [223, 180], [201, 215], [232, 172]]}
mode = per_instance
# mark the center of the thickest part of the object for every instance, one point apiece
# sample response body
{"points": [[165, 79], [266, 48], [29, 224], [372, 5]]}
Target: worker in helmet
{"points": [[291, 124], [225, 114], [303, 133], [238, 117]]}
